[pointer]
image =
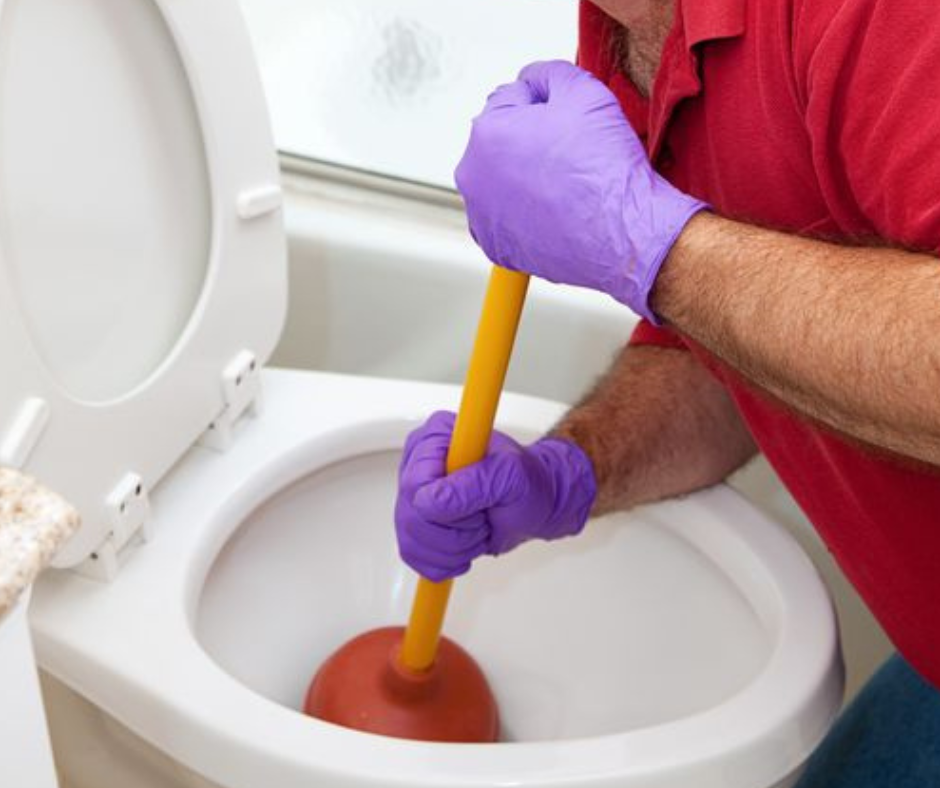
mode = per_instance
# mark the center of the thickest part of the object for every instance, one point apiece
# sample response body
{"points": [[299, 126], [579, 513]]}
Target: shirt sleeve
{"points": [[869, 75], [646, 333]]}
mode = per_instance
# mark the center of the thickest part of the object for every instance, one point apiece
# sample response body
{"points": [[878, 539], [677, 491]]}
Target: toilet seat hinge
{"points": [[128, 508], [241, 393]]}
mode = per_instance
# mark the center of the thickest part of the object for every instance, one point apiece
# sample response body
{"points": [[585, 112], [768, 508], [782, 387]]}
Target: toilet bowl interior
{"points": [[628, 626]]}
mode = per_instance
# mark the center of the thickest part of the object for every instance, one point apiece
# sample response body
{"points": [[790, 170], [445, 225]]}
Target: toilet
{"points": [[237, 518]]}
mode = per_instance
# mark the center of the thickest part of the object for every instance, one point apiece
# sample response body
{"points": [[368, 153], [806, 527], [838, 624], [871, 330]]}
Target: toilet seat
{"points": [[114, 119], [134, 652]]}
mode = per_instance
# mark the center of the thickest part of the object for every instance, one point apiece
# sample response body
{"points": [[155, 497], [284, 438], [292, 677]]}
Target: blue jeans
{"points": [[888, 737]]}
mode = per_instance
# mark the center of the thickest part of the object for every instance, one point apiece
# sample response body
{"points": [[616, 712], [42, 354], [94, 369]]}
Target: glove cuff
{"points": [[573, 482], [681, 215]]}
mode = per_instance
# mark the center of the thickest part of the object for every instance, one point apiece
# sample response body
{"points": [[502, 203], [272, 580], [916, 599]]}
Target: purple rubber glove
{"points": [[516, 493], [557, 184]]}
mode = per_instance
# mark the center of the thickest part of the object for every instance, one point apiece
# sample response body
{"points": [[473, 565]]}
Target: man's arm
{"points": [[848, 336], [656, 425]]}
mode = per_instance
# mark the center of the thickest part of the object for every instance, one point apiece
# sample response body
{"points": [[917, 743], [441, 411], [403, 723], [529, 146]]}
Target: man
{"points": [[759, 180]]}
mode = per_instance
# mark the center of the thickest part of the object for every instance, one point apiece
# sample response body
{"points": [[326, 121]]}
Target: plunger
{"points": [[413, 683]]}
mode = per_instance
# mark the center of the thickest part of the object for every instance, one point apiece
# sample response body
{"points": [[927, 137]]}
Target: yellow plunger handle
{"points": [[492, 349]]}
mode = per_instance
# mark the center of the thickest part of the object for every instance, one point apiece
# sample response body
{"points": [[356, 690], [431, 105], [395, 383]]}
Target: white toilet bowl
{"points": [[688, 644], [227, 548]]}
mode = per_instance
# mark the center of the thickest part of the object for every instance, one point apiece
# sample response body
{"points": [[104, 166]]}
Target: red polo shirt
{"points": [[822, 118]]}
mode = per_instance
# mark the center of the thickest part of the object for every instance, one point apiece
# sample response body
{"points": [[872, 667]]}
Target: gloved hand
{"points": [[557, 184], [516, 493]]}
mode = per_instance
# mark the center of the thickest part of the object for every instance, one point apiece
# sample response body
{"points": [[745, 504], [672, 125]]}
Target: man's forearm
{"points": [[849, 336], [656, 425]]}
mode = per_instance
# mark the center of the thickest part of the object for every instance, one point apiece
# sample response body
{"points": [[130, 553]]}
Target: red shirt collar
{"points": [[697, 21], [707, 20], [702, 20]]}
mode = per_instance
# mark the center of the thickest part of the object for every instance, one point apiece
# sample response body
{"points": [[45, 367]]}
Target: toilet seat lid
{"points": [[142, 253]]}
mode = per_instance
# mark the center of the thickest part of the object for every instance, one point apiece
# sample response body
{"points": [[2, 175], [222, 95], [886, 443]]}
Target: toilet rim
{"points": [[209, 720], [227, 740]]}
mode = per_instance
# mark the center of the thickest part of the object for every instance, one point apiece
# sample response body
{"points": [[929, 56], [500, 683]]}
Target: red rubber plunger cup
{"points": [[365, 686]]}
